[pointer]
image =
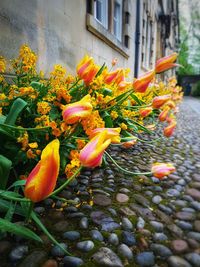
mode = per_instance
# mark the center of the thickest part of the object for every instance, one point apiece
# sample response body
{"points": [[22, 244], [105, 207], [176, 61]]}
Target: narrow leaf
{"points": [[5, 166], [18, 230], [16, 108]]}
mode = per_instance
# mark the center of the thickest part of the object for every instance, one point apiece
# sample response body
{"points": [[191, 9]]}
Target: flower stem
{"points": [[30, 209], [65, 183], [124, 170]]}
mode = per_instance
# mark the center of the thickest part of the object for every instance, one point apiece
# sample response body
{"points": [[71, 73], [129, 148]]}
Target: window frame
{"points": [[119, 20], [104, 12]]}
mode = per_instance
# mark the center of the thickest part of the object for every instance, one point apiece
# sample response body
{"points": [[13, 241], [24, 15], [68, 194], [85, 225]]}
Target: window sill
{"points": [[97, 29]]}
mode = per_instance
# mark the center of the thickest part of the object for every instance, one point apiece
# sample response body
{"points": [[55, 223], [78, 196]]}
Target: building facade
{"points": [[136, 32]]}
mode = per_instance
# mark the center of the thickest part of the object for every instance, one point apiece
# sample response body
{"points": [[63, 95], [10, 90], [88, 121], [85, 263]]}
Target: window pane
{"points": [[99, 10], [117, 19]]}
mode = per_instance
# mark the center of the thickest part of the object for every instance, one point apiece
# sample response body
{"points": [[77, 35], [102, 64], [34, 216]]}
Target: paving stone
{"points": [[179, 246], [194, 193], [145, 259], [193, 258], [101, 200], [122, 198], [176, 261], [106, 257], [186, 216], [161, 250]]}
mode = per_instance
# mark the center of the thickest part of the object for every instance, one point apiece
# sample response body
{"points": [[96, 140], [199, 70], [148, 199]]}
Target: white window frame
{"points": [[104, 12], [117, 20]]}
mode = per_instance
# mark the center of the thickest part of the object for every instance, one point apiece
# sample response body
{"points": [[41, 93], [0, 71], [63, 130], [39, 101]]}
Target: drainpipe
{"points": [[137, 39]]}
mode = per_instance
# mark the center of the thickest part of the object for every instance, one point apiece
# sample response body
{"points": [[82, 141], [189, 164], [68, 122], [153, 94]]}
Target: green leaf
{"points": [[136, 99], [16, 108], [18, 183], [10, 212], [18, 230], [107, 91], [44, 229], [5, 205], [5, 166], [101, 69], [12, 196], [2, 118], [107, 119]]}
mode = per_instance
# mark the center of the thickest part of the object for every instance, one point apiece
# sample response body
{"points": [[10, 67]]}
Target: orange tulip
{"points": [[171, 104], [163, 115], [42, 179], [87, 70], [116, 76], [91, 155], [83, 65], [90, 74], [129, 144], [160, 170], [166, 63], [144, 112], [112, 133], [158, 101], [140, 84], [169, 130], [77, 110]]}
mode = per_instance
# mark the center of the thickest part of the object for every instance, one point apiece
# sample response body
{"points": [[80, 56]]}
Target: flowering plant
{"points": [[53, 127]]}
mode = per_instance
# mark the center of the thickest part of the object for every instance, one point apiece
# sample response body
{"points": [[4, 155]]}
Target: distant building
{"points": [[137, 32]]}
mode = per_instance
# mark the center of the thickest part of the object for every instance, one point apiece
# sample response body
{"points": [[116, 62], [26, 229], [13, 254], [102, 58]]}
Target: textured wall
{"points": [[56, 30]]}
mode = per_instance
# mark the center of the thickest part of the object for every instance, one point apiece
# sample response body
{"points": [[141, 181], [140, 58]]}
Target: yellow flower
{"points": [[114, 114], [43, 107], [123, 126], [33, 145], [2, 64]]}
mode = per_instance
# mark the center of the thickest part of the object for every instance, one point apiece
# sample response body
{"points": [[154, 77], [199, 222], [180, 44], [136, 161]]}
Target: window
{"points": [[109, 20], [101, 12], [117, 19]]}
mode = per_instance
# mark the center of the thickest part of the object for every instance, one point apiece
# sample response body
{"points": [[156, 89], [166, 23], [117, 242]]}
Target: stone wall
{"points": [[57, 31]]}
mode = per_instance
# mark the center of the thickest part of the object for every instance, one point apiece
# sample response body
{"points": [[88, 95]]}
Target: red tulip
{"points": [[42, 179]]}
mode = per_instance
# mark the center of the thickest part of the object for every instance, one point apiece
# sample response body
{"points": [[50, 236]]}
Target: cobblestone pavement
{"points": [[123, 220]]}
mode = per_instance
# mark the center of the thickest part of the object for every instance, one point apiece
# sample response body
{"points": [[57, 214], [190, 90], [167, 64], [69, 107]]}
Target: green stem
{"points": [[24, 129], [65, 183], [44, 229], [30, 209], [124, 170], [65, 200], [14, 198], [74, 84]]}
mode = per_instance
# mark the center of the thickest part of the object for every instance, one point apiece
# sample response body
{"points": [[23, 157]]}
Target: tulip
{"points": [[163, 115], [87, 70], [140, 84], [123, 85], [171, 104], [90, 74], [91, 155], [160, 170], [166, 63], [77, 110], [129, 144], [116, 76], [158, 101], [168, 131], [42, 179], [112, 133], [82, 66], [144, 112]]}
